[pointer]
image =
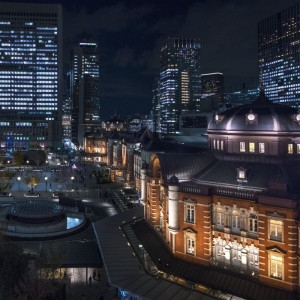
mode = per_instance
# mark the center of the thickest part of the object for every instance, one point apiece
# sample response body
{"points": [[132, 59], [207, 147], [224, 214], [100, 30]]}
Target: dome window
{"points": [[251, 118], [218, 118], [296, 117]]}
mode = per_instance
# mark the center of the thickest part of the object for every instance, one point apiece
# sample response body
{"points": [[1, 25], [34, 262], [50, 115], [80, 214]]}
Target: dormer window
{"points": [[241, 175], [251, 117], [218, 118], [296, 117]]}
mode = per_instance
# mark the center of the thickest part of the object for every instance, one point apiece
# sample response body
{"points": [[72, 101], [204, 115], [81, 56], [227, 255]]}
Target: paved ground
{"points": [[103, 201]]}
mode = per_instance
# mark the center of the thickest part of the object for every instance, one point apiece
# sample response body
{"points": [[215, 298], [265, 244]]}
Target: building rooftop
{"points": [[124, 269]]}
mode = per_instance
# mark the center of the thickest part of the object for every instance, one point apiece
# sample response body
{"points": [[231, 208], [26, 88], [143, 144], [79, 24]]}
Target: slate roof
{"points": [[218, 279], [124, 270], [184, 165], [270, 117]]}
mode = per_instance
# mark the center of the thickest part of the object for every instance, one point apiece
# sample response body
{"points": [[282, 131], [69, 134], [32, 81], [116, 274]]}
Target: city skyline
{"points": [[130, 35]]}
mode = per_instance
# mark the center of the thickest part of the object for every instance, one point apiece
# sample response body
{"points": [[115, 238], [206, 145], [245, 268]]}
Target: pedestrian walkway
{"points": [[92, 290]]}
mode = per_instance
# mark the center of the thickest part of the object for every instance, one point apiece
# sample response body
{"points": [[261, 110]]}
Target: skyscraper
{"points": [[279, 55], [180, 81], [30, 74], [85, 90], [213, 84]]}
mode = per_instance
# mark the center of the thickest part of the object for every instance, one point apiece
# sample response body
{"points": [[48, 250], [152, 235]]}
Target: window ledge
{"points": [[275, 241], [187, 222]]}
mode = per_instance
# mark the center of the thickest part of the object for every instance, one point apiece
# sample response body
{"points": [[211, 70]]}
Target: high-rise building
{"points": [[30, 74], [180, 81], [241, 94], [213, 84], [279, 55], [156, 105], [85, 90]]}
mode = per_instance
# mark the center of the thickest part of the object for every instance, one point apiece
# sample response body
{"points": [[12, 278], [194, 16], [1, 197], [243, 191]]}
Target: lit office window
{"points": [[242, 147]]}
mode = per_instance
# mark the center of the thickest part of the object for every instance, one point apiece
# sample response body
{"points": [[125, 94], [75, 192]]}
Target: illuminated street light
{"points": [[19, 180], [46, 178]]}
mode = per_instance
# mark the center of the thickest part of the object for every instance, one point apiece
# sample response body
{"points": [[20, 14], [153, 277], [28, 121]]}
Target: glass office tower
{"points": [[213, 84], [180, 81], [279, 55], [30, 74], [85, 87]]}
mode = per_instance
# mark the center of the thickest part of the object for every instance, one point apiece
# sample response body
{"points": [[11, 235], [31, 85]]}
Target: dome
{"points": [[173, 180], [261, 115]]}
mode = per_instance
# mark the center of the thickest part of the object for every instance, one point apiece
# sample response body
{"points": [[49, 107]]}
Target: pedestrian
{"points": [[90, 280], [99, 276]]}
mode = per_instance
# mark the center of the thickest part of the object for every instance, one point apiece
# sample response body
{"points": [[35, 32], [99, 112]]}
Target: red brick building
{"points": [[236, 205]]}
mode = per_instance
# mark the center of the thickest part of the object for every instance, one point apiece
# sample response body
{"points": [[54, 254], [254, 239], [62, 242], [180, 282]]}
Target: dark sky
{"points": [[130, 33]]}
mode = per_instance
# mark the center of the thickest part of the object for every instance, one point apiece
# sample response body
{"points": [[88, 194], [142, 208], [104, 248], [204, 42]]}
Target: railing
{"points": [[190, 188], [235, 194]]}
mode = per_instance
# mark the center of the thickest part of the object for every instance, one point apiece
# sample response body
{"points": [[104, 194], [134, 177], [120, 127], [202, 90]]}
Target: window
{"points": [[253, 258], [190, 213], [222, 145], [276, 266], [298, 148], [261, 147], [290, 149], [242, 147], [235, 220], [253, 223], [276, 230], [190, 245], [241, 174], [214, 142], [218, 145], [220, 217], [252, 147]]}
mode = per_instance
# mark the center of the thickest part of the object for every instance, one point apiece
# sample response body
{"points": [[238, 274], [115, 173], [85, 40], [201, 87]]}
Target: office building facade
{"points": [[30, 74], [213, 84], [85, 91], [180, 81], [279, 55]]}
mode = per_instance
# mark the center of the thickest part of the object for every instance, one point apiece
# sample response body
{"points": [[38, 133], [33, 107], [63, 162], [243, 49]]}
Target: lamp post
{"points": [[72, 178], [46, 178], [19, 180]]}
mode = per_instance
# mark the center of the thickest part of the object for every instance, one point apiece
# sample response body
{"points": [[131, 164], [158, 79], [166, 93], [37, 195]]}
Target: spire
{"points": [[262, 98]]}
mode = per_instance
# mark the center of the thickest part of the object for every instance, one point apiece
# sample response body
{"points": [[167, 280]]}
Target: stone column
{"points": [[173, 189]]}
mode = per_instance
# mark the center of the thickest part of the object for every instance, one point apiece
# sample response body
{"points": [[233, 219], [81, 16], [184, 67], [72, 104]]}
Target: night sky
{"points": [[130, 34]]}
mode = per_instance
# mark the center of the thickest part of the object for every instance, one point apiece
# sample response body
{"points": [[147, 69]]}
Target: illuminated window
{"points": [[235, 220], [241, 174], [276, 230], [261, 147], [298, 148], [276, 266], [218, 145], [252, 147], [220, 217], [242, 147], [222, 145], [290, 148], [190, 245]]}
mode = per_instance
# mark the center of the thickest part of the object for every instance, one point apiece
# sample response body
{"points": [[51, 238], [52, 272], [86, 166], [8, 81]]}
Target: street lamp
{"points": [[46, 178], [72, 178], [19, 180]]}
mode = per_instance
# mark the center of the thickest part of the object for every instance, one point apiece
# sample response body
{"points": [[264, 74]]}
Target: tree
{"points": [[32, 181], [14, 267], [18, 158], [5, 177]]}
